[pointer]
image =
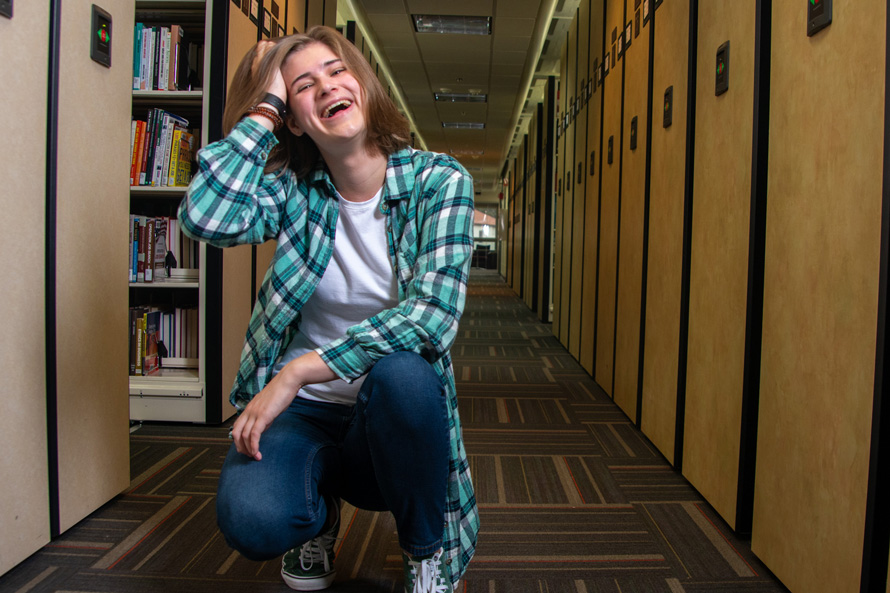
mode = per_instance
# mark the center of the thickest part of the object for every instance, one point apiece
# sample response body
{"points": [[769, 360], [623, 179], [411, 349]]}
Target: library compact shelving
{"points": [[187, 387]]}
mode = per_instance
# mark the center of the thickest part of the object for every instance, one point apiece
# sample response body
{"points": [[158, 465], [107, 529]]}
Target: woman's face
{"points": [[325, 98]]}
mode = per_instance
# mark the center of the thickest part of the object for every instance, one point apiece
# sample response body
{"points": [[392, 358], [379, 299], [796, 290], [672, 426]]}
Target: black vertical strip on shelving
{"points": [[549, 147], [584, 176], [599, 199], [52, 159], [562, 104], [620, 188], [536, 221], [756, 257], [680, 425], [877, 513], [350, 31], [523, 216], [569, 180], [647, 191], [215, 80]]}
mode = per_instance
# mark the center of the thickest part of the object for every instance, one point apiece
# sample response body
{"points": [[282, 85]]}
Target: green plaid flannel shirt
{"points": [[428, 203]]}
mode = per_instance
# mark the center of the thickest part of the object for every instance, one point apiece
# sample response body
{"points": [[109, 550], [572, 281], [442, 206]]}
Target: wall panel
{"points": [[518, 216], [633, 186], [666, 200], [529, 285], [92, 209], [296, 16], [566, 321], [612, 125], [592, 192], [719, 266], [559, 231], [24, 518], [579, 180], [820, 295]]}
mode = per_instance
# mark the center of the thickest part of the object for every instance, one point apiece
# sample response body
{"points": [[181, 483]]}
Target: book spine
{"points": [[163, 55], [137, 55], [174, 157], [149, 250], [149, 66], [140, 251], [134, 248], [134, 142], [152, 145], [160, 149], [140, 331], [146, 146], [140, 146], [175, 35]]}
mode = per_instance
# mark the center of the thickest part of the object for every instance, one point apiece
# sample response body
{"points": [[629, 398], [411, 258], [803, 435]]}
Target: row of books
{"points": [[164, 58], [162, 149], [158, 334], [160, 252]]}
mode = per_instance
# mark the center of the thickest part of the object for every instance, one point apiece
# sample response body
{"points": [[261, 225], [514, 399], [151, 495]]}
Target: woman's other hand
{"points": [[275, 398]]}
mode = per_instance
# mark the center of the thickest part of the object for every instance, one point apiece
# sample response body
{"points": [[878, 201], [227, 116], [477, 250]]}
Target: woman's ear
{"points": [[292, 125]]}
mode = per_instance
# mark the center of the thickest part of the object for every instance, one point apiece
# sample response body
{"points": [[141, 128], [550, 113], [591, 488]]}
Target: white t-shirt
{"points": [[358, 283]]}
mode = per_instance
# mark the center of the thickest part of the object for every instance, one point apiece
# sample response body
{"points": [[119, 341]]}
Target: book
{"points": [[137, 56], [148, 250], [175, 123], [138, 346], [160, 248], [140, 250], [151, 364], [134, 248], [184, 160], [138, 140]]}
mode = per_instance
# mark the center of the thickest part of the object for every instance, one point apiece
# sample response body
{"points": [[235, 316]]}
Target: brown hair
{"points": [[388, 129]]}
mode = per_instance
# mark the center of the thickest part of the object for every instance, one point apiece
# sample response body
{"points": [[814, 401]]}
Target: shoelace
{"points": [[427, 576], [314, 551]]}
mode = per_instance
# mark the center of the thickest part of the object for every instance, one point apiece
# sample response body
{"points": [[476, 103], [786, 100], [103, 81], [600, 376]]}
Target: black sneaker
{"points": [[311, 566]]}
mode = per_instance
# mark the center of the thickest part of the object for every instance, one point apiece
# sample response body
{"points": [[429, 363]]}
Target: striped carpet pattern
{"points": [[572, 497]]}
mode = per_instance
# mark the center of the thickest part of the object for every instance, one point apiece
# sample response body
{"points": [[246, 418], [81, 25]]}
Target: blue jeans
{"points": [[389, 452]]}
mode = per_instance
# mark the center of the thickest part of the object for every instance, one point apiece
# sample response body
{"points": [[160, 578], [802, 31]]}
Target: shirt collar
{"points": [[398, 184]]}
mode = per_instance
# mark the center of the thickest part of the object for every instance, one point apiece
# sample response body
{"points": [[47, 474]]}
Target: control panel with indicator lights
{"points": [[818, 16], [722, 71], [100, 37]]}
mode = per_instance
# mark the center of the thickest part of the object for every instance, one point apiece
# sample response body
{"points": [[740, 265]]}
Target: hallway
{"points": [[572, 496]]}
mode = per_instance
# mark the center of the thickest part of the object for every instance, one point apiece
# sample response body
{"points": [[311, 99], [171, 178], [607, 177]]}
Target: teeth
{"points": [[344, 103]]}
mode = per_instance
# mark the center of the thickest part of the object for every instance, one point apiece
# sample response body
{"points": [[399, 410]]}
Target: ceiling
{"points": [[510, 66]]}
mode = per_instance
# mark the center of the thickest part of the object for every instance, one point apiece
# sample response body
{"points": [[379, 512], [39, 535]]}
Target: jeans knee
{"points": [[405, 372], [257, 531]]}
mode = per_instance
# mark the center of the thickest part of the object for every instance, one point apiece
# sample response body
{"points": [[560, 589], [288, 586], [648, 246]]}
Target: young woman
{"points": [[345, 386]]}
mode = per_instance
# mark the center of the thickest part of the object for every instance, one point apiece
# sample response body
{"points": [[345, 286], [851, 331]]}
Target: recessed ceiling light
{"points": [[463, 125], [463, 25], [461, 97]]}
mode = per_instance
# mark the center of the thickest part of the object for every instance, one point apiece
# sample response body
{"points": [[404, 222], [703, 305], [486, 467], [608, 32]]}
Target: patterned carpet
{"points": [[573, 498]]}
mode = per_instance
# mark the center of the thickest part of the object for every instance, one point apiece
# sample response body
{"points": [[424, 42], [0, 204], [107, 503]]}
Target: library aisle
{"points": [[573, 498]]}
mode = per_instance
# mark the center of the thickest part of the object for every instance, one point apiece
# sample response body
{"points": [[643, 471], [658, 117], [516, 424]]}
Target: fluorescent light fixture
{"points": [[463, 25], [463, 125], [462, 97]]}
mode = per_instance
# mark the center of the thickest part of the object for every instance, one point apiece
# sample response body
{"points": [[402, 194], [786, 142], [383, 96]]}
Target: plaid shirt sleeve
{"points": [[439, 235], [231, 201]]}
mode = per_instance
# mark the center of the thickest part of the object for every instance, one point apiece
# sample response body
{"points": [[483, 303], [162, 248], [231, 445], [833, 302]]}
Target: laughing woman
{"points": [[345, 386]]}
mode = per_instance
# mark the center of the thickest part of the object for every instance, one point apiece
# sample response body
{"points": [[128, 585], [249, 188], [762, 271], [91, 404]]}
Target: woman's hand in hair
{"points": [[276, 86]]}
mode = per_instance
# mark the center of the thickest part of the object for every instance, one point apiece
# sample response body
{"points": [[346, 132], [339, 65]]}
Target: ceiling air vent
{"points": [[463, 125], [462, 97], [462, 25]]}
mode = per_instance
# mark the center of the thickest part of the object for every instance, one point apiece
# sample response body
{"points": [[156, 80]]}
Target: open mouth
{"points": [[336, 108]]}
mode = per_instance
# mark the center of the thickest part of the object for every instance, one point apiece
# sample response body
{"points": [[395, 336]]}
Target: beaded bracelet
{"points": [[269, 114]]}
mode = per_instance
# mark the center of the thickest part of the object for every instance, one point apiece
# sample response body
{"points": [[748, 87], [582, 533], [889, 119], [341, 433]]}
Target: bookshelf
{"points": [[187, 387]]}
